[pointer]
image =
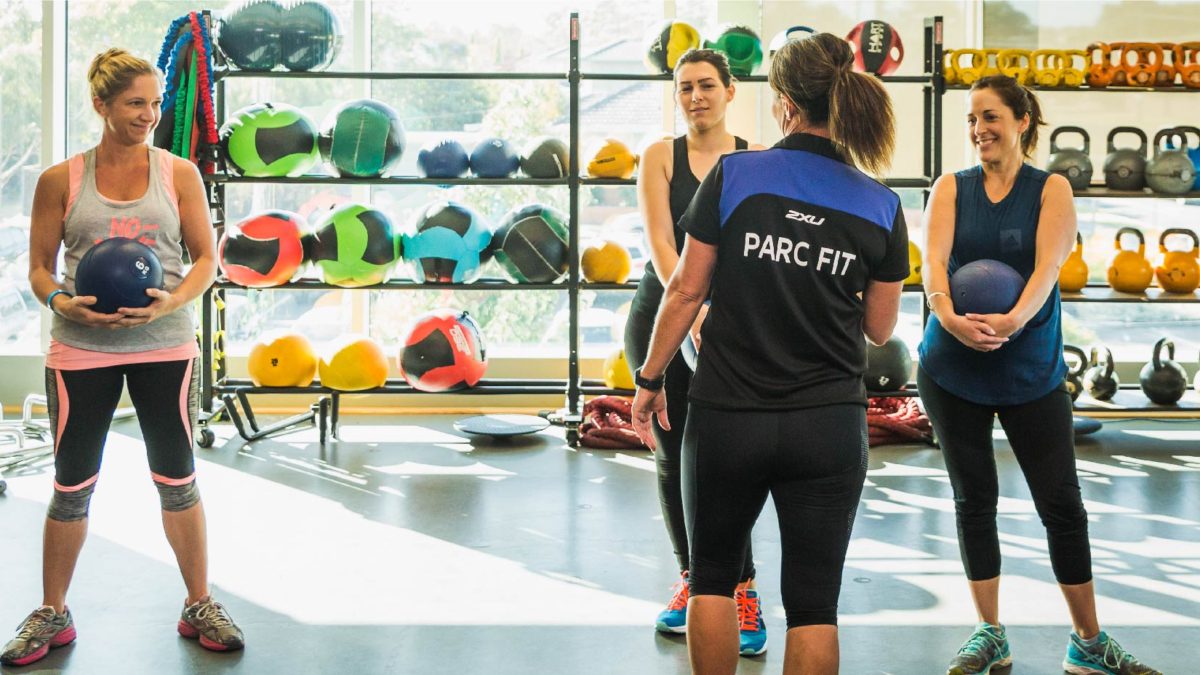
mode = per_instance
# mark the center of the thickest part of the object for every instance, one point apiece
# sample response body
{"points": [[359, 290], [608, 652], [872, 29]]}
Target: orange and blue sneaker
{"points": [[208, 620], [1102, 656], [41, 631], [752, 634], [673, 619]]}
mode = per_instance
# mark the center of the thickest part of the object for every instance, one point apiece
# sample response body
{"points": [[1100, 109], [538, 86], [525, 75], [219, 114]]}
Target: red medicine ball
{"points": [[263, 250], [877, 47], [444, 352]]}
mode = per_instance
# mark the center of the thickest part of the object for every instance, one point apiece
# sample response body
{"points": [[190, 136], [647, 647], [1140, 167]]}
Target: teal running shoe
{"points": [[673, 619], [987, 648], [752, 634], [1105, 657]]}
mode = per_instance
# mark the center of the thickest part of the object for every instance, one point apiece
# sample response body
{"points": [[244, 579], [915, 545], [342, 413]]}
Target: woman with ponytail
{"points": [[805, 254], [974, 368]]}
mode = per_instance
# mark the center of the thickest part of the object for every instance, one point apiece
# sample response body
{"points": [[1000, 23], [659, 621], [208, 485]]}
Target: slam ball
{"points": [[117, 272]]}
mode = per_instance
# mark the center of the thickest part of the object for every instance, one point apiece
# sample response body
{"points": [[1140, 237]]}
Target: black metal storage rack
{"points": [[234, 392]]}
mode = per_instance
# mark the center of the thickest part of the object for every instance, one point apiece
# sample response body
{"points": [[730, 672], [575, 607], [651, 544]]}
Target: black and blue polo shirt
{"points": [[799, 235]]}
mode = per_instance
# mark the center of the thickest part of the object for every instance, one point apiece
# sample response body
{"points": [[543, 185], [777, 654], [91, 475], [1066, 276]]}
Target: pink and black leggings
{"points": [[81, 406]]}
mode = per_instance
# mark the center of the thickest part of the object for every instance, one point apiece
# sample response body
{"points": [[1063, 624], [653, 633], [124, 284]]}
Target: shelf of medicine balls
{"points": [[897, 183], [318, 179]]}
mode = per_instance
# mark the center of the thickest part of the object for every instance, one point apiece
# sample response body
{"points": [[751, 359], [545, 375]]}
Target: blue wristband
{"points": [[53, 293]]}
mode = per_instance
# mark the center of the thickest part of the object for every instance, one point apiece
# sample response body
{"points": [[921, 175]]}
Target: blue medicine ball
{"points": [[494, 158], [118, 271], [446, 159], [986, 287], [448, 243]]}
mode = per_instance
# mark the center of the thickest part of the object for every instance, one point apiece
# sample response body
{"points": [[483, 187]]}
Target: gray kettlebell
{"points": [[1170, 172], [1074, 165], [1193, 152], [1163, 380], [1125, 169], [1100, 382], [1074, 379]]}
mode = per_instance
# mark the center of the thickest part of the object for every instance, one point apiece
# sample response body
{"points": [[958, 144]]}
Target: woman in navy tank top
{"points": [[974, 368], [669, 176]]}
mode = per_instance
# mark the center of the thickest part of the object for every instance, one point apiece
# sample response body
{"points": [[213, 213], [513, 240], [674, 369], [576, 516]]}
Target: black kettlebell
{"points": [[1074, 165], [1099, 381], [1074, 379], [1171, 171], [1125, 169], [1163, 380]]}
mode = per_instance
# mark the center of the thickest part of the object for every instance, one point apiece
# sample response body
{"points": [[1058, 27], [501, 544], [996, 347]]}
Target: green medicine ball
{"points": [[741, 46], [354, 246], [362, 138], [269, 140], [531, 244]]}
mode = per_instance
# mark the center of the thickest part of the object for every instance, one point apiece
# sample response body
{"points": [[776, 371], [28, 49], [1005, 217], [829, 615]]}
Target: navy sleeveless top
{"points": [[1025, 368], [683, 187]]}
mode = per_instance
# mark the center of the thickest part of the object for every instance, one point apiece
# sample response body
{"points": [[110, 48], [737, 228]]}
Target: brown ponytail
{"points": [[815, 74], [1021, 101]]}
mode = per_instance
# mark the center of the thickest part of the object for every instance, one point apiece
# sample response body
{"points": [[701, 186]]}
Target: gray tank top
{"points": [[154, 221]]}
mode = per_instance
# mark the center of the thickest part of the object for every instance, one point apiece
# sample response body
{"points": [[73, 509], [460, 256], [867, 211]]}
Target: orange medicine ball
{"points": [[282, 360], [354, 363]]}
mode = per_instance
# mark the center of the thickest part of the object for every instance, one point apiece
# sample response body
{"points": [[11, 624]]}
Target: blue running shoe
{"points": [[987, 648], [1105, 657], [673, 619], [752, 636]]}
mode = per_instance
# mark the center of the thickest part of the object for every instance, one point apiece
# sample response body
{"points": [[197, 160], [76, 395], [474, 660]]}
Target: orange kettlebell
{"points": [[1140, 61], [1179, 271], [1100, 68], [1187, 63], [1073, 275], [1165, 77], [1130, 272]]}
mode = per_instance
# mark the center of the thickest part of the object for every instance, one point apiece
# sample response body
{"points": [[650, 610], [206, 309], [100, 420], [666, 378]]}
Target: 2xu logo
{"points": [[793, 214]]}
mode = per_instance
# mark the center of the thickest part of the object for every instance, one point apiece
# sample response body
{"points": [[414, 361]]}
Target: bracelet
{"points": [[50, 298], [929, 298]]}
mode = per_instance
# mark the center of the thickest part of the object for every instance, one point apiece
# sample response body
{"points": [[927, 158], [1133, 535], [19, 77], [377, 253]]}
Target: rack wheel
{"points": [[207, 438], [573, 438]]}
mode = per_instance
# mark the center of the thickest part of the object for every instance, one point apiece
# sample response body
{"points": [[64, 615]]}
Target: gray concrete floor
{"points": [[409, 548]]}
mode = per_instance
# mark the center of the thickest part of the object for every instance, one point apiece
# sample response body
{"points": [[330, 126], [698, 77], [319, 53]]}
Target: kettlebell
{"points": [[1073, 67], [1165, 77], [1100, 69], [1125, 169], [1072, 164], [1141, 61], [991, 58], [1179, 271], [1193, 152], [1187, 63], [1074, 380], [1129, 271], [1099, 381], [1163, 380], [949, 72], [1017, 64], [1047, 67], [1170, 172], [1073, 275], [968, 74], [1120, 77]]}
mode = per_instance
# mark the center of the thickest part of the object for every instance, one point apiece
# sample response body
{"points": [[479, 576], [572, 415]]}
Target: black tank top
{"points": [[683, 187]]}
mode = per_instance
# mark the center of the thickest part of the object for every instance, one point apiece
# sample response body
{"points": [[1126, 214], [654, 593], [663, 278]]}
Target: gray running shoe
{"points": [[1106, 657], [37, 634], [209, 621], [987, 648]]}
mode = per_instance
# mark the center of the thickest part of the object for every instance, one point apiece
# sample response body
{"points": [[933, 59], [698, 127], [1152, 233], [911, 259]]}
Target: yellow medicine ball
{"points": [[282, 360], [613, 160], [354, 363], [617, 373], [606, 262], [914, 265]]}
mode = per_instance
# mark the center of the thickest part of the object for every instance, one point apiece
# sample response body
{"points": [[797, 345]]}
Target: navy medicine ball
{"points": [[248, 34], [986, 287], [309, 36], [494, 158], [118, 271], [446, 159]]}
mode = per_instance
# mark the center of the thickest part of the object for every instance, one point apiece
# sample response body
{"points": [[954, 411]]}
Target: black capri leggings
{"points": [[812, 462], [1043, 440], [670, 443], [82, 403]]}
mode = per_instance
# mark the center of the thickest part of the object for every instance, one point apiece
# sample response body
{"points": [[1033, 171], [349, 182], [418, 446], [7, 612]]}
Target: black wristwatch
{"points": [[653, 385]]}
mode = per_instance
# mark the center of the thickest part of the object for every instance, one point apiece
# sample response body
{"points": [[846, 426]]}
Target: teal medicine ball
{"points": [[355, 245], [531, 244], [362, 138], [741, 46], [269, 140]]}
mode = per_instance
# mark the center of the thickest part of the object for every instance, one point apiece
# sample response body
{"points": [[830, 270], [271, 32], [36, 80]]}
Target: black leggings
{"points": [[670, 443], [812, 462], [1043, 440], [81, 406]]}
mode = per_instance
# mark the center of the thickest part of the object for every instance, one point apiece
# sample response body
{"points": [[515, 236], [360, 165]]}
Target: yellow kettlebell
{"points": [[1130, 272], [1074, 70], [991, 58], [968, 74], [1048, 67], [1180, 270], [1017, 64], [914, 265], [949, 72], [1073, 274]]}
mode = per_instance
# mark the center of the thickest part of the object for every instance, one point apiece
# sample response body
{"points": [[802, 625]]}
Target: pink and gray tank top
{"points": [[153, 220]]}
